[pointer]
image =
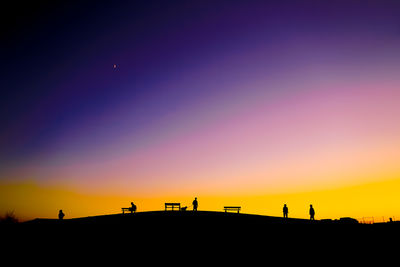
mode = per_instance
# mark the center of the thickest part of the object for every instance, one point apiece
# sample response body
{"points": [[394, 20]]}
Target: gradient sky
{"points": [[254, 103]]}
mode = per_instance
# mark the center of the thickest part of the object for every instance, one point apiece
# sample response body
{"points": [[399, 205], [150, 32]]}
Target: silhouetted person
{"points": [[285, 211], [195, 204], [312, 213], [132, 208], [61, 215]]}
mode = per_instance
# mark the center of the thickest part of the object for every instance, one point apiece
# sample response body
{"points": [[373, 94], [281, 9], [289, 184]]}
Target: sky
{"points": [[250, 103]]}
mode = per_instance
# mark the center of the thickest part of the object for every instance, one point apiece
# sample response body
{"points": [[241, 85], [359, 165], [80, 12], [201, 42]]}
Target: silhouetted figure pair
{"points": [[195, 204], [61, 215], [312, 213], [285, 211]]}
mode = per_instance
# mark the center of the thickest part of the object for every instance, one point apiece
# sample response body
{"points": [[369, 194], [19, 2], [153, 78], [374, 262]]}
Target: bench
{"points": [[171, 206], [235, 208], [132, 210]]}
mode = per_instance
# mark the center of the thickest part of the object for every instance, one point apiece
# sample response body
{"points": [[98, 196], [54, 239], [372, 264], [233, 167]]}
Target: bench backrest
{"points": [[232, 207], [172, 205]]}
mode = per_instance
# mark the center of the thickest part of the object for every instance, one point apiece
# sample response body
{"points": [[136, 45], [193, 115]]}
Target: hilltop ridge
{"points": [[182, 217]]}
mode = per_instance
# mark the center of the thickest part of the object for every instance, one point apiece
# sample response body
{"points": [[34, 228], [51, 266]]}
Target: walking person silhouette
{"points": [[285, 211], [195, 204], [312, 213]]}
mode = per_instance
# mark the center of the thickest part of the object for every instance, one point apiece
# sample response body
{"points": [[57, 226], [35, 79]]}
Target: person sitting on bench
{"points": [[133, 208]]}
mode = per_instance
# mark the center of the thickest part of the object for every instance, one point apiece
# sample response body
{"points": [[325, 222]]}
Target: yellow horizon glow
{"points": [[378, 199]]}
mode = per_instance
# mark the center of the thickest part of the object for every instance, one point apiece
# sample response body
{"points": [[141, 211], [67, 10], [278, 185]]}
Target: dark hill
{"points": [[173, 218], [187, 237], [204, 224]]}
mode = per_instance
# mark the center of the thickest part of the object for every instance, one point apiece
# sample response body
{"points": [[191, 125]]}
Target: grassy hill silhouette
{"points": [[205, 223], [172, 217], [204, 219], [173, 236], [200, 220]]}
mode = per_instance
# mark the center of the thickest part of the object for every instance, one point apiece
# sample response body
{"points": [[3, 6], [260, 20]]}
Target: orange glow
{"points": [[378, 199]]}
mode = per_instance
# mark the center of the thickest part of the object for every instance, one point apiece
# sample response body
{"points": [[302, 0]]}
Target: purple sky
{"points": [[189, 72]]}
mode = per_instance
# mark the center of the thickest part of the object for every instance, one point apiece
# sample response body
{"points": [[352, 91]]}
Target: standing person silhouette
{"points": [[285, 211], [312, 213], [61, 215], [195, 204]]}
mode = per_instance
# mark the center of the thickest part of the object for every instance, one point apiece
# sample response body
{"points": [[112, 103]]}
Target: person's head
{"points": [[310, 206], [195, 198], [60, 211], [284, 205]]}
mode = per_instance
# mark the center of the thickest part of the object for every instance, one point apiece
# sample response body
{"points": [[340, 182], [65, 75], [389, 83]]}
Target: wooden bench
{"points": [[132, 210], [171, 206], [235, 208]]}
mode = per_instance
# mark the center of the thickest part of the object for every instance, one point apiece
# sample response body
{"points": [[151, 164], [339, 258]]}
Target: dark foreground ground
{"points": [[202, 237]]}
